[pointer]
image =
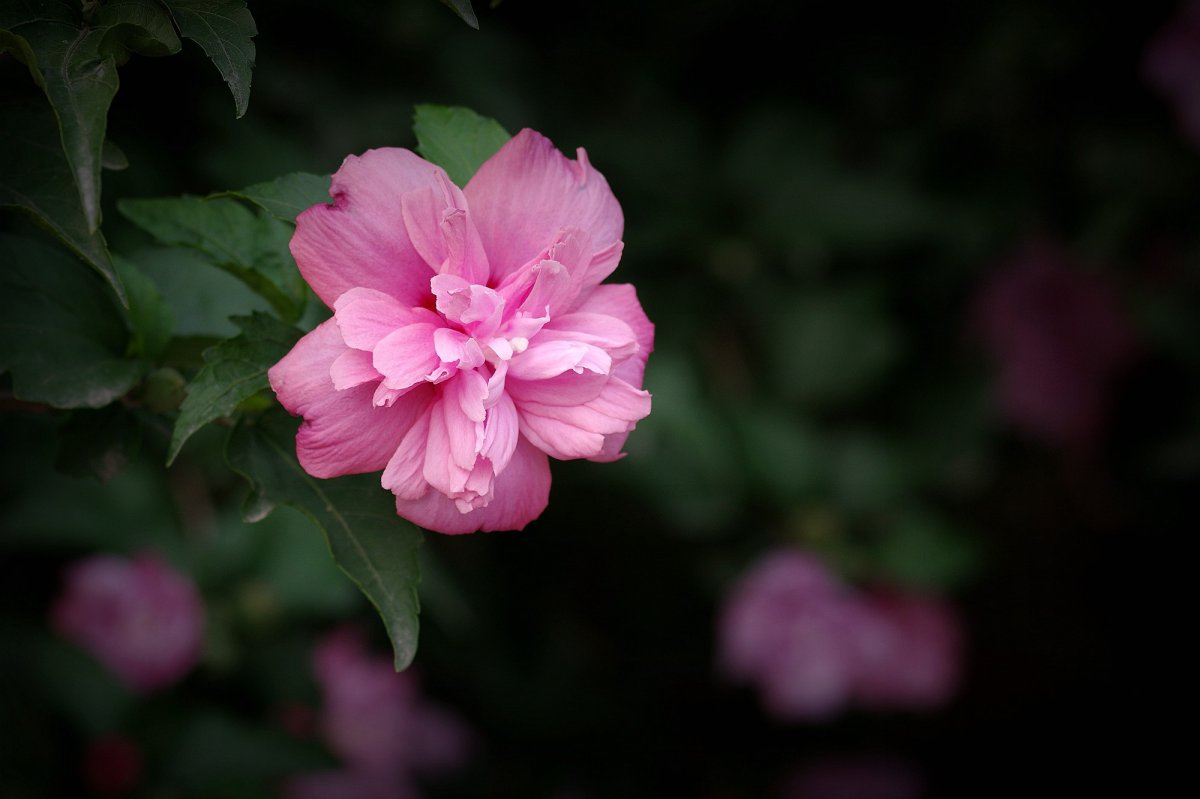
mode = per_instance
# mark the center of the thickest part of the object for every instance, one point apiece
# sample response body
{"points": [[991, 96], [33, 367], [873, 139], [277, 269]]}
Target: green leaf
{"points": [[464, 11], [36, 178], [252, 247], [139, 26], [224, 29], [98, 443], [838, 342], [76, 66], [60, 334], [201, 296], [234, 371], [149, 316], [376, 548], [923, 551], [219, 755], [457, 139], [113, 158], [284, 198]]}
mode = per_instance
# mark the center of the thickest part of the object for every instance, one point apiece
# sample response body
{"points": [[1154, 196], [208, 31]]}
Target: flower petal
{"points": [[579, 431], [404, 475], [405, 356], [544, 360], [361, 240], [527, 191], [343, 432], [620, 302], [442, 232], [352, 368], [366, 316], [568, 388], [599, 330], [500, 433], [602, 264], [520, 495]]}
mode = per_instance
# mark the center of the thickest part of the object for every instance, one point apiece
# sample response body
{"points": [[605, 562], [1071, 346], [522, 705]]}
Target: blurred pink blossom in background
{"points": [[813, 646], [1172, 66], [378, 724], [909, 649], [1059, 337], [139, 617], [471, 338]]}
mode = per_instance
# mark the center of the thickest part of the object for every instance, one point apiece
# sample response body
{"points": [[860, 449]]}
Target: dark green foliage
{"points": [[370, 543], [251, 246], [457, 139], [234, 371], [61, 336], [224, 29]]}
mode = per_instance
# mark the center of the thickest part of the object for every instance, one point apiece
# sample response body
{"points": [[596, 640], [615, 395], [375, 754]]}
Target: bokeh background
{"points": [[925, 283]]}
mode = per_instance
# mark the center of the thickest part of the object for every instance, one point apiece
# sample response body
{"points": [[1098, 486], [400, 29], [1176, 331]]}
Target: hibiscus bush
{"points": [[567, 400]]}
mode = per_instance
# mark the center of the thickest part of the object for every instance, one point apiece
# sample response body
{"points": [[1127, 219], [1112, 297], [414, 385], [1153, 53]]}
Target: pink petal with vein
{"points": [[366, 316], [360, 239], [527, 191], [406, 355], [521, 494], [343, 431]]}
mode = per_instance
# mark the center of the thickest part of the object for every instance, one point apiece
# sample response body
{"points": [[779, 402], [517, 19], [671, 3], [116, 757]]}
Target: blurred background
{"points": [[903, 519]]}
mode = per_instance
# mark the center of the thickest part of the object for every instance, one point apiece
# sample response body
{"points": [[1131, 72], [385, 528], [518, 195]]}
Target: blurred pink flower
{"points": [[1060, 338], [813, 646], [1172, 66], [909, 653], [141, 618], [471, 337], [380, 726], [787, 626]]}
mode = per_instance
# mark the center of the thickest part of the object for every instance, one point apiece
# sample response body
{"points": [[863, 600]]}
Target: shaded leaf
{"points": [[36, 178], [98, 443], [150, 317], [216, 754], [376, 548], [234, 370], [838, 343], [457, 139], [923, 551], [200, 296], [252, 247], [138, 26], [60, 334], [76, 66], [224, 29], [285, 197], [113, 158], [464, 11], [65, 60]]}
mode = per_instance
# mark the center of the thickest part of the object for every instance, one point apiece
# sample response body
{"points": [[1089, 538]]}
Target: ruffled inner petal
{"points": [[406, 356], [365, 316], [352, 368], [358, 241], [544, 360], [526, 192], [520, 494]]}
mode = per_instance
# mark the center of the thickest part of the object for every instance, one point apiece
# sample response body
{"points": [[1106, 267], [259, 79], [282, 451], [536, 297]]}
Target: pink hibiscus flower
{"points": [[380, 725], [1172, 66], [471, 338], [1060, 338], [140, 618], [814, 646]]}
